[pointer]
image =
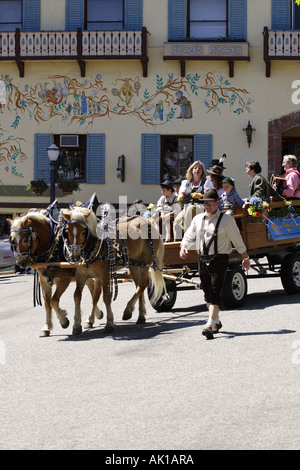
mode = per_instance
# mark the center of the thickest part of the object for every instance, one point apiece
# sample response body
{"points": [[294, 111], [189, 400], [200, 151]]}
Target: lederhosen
{"points": [[212, 269]]}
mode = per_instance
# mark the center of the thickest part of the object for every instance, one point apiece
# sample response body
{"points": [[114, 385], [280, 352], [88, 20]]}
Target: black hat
{"points": [[216, 170], [179, 180], [210, 195], [167, 184]]}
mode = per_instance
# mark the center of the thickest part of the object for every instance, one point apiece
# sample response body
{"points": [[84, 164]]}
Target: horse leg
{"points": [[140, 277], [96, 292], [92, 285], [109, 327], [61, 286], [80, 282], [47, 290]]}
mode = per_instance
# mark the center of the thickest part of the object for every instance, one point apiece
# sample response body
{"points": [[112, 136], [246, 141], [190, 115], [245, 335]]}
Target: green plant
{"points": [[37, 184], [288, 211], [69, 184]]}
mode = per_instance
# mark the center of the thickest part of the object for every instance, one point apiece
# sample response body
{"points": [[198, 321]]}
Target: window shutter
{"points": [[203, 148], [150, 158], [74, 14], [133, 15], [280, 14], [31, 15], [237, 19], [41, 160], [177, 20], [95, 173]]}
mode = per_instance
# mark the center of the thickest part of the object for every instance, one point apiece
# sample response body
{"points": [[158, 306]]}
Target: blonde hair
{"points": [[189, 173]]}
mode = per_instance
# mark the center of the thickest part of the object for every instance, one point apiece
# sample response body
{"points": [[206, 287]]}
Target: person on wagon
{"points": [[291, 188], [259, 186], [190, 192], [212, 233], [167, 209], [230, 199]]}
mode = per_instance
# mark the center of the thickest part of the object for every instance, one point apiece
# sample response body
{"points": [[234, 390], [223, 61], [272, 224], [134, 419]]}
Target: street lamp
{"points": [[53, 153]]}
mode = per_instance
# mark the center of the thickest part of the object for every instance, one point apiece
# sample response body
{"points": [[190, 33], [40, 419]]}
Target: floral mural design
{"points": [[11, 153], [83, 102]]}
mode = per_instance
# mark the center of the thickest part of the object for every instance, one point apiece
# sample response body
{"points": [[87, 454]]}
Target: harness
{"points": [[107, 249]]}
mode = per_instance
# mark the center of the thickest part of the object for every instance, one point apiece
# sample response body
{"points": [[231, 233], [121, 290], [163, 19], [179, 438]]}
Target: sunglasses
{"points": [[209, 203]]}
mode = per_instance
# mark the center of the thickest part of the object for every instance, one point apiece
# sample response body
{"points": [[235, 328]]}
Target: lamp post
{"points": [[53, 153]]}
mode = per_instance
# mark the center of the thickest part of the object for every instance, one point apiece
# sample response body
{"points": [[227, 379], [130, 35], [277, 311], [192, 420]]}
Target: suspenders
{"points": [[214, 239]]}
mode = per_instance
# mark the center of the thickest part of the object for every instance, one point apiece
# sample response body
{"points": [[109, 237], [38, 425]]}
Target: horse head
{"points": [[78, 233], [29, 237]]}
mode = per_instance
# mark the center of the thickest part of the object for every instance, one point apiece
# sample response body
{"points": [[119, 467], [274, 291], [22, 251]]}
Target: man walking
{"points": [[214, 233]]}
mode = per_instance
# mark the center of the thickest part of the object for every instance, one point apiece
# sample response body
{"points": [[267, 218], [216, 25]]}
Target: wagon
{"points": [[270, 256]]}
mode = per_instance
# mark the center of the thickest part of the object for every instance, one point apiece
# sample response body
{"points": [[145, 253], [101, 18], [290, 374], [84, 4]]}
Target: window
{"points": [[177, 156], [104, 15], [71, 161], [11, 15], [207, 20], [296, 16]]}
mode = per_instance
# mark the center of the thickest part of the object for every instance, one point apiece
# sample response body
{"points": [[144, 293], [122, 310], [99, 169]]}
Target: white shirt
{"points": [[202, 229]]}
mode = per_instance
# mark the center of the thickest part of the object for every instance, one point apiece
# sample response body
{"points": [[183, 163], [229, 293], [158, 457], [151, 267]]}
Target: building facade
{"points": [[160, 82]]}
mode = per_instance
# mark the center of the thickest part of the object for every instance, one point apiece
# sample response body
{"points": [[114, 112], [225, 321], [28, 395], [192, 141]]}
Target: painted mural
{"points": [[83, 102]]}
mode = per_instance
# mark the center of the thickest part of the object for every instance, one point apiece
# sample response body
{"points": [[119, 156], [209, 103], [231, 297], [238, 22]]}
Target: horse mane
{"points": [[87, 216], [38, 216]]}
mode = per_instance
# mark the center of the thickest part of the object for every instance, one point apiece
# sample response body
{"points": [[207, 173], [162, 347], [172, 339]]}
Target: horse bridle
{"points": [[70, 249], [32, 236]]}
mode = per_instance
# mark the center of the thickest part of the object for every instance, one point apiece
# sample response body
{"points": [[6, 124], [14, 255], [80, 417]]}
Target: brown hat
{"points": [[210, 195], [216, 170]]}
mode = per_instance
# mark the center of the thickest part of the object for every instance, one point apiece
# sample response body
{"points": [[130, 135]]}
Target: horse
{"points": [[33, 241], [100, 256]]}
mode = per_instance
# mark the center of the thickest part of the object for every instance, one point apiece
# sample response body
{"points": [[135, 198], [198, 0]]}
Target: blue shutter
{"points": [[133, 15], [74, 14], [41, 159], [237, 19], [31, 15], [150, 158], [95, 165], [280, 14], [203, 148], [177, 20]]}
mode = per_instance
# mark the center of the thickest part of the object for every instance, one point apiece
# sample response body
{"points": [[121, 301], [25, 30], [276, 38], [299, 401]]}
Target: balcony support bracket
{"points": [[81, 64], [21, 68]]}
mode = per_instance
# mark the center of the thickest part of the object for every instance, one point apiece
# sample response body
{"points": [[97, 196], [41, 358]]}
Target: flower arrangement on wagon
{"points": [[258, 207]]}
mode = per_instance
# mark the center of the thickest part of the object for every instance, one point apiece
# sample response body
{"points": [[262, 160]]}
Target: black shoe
{"points": [[217, 327], [208, 332]]}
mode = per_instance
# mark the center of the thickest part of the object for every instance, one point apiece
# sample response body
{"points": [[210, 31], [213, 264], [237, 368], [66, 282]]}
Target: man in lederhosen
{"points": [[213, 232]]}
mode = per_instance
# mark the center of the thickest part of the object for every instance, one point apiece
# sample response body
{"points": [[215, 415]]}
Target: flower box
{"points": [[280, 229]]}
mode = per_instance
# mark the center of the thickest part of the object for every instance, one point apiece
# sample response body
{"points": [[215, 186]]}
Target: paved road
{"points": [[157, 386]]}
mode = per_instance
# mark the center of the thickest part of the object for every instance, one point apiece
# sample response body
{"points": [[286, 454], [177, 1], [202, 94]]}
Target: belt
{"points": [[206, 257]]}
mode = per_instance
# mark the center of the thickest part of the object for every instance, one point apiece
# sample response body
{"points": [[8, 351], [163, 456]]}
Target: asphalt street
{"points": [[158, 386]]}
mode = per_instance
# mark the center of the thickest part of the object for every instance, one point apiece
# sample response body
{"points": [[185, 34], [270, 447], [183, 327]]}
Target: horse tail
{"points": [[157, 280]]}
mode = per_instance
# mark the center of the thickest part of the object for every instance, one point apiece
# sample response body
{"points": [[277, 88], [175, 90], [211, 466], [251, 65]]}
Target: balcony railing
{"points": [[74, 45], [280, 45], [218, 50]]}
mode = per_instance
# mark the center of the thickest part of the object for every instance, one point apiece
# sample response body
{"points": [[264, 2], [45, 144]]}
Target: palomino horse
{"points": [[33, 242], [94, 257]]}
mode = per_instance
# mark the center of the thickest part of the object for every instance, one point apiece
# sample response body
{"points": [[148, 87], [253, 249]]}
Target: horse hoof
{"points": [[108, 329], [126, 316], [87, 325], [140, 321], [44, 333], [77, 330], [66, 324]]}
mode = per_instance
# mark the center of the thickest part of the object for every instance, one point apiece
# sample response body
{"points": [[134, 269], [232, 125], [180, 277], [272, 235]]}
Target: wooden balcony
{"points": [[229, 51], [74, 45], [280, 45]]}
